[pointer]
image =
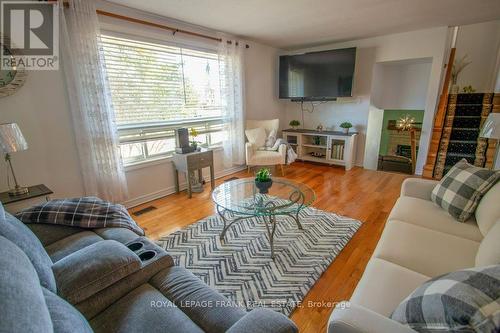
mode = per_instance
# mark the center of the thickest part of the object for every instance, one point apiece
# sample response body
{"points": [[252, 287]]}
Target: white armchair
{"points": [[255, 157]]}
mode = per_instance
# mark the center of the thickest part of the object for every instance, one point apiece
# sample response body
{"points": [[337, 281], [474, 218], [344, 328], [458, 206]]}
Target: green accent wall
{"points": [[395, 115]]}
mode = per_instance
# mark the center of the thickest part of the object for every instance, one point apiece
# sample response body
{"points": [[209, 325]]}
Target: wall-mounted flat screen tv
{"points": [[314, 76]]}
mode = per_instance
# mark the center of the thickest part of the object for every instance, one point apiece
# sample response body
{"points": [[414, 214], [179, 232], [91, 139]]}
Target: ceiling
{"points": [[295, 23]]}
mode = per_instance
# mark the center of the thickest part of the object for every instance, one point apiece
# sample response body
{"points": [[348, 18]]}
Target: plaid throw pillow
{"points": [[461, 189], [461, 301]]}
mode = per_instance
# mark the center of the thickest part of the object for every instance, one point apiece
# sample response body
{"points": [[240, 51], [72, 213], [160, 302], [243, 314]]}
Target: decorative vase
{"points": [[264, 186], [346, 130]]}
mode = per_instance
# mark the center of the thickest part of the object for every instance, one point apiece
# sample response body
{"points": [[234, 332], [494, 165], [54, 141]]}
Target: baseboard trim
{"points": [[130, 203]]}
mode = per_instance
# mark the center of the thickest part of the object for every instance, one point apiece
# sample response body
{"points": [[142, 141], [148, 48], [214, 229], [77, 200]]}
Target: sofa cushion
{"points": [[383, 280], [262, 320], [488, 210], [144, 309], [426, 214], [15, 231], [462, 301], [207, 308], [121, 235], [489, 250], [64, 317], [94, 268], [22, 305], [424, 250], [71, 244], [50, 233], [461, 189]]}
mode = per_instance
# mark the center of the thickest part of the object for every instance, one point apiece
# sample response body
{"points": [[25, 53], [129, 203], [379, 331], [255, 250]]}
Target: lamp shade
{"points": [[491, 127], [11, 138]]}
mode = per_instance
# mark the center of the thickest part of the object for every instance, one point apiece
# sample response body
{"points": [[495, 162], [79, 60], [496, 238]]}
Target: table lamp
{"points": [[491, 130], [11, 141]]}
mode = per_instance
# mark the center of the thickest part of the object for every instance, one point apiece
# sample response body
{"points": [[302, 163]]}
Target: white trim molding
{"points": [[171, 189]]}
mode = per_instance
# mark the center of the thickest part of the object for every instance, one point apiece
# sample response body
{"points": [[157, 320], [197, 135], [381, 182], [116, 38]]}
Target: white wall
{"points": [[429, 43], [401, 84], [40, 108], [480, 42], [42, 111], [261, 84]]}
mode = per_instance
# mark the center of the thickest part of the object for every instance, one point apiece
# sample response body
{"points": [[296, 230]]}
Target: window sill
{"points": [[157, 161]]}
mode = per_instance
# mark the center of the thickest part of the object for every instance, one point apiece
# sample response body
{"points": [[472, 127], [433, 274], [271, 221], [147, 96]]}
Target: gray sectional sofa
{"points": [[64, 279]]}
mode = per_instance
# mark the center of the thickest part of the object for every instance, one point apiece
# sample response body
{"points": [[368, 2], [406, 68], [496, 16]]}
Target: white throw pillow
{"points": [[271, 138], [256, 136]]}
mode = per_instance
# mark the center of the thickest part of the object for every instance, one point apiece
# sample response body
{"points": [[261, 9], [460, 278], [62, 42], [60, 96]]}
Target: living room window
{"points": [[157, 88]]}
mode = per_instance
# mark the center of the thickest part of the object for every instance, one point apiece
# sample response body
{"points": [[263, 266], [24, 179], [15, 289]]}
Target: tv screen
{"points": [[317, 75]]}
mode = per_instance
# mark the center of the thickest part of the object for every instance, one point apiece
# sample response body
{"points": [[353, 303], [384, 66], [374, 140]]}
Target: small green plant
{"points": [[193, 133], [346, 124], [294, 123], [264, 175]]}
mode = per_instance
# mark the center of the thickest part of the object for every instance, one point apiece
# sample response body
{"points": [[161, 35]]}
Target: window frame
{"points": [[141, 128]]}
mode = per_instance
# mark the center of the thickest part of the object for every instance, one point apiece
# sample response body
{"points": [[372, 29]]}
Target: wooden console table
{"points": [[330, 147], [191, 162]]}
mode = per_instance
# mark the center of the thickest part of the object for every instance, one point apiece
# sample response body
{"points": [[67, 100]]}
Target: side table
{"points": [[188, 163], [33, 192]]}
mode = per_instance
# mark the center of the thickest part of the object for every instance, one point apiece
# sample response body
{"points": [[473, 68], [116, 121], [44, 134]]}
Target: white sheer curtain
{"points": [[90, 102], [232, 79]]}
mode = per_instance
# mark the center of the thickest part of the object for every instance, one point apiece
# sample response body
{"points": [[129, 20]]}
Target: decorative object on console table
{"points": [[346, 126], [491, 130], [182, 141], [33, 192], [194, 135], [191, 162], [263, 180], [294, 124], [11, 141]]}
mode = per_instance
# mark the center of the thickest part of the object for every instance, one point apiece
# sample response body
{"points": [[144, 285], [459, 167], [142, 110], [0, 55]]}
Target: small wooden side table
{"points": [[33, 192], [188, 163]]}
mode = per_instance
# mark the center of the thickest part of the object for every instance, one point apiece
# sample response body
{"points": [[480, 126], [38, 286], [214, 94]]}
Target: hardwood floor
{"points": [[361, 194]]}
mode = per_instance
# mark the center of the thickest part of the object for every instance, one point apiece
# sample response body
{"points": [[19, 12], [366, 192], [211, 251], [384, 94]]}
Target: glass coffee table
{"points": [[240, 199]]}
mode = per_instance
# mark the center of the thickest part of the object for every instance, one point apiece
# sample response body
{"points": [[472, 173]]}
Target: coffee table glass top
{"points": [[241, 196]]}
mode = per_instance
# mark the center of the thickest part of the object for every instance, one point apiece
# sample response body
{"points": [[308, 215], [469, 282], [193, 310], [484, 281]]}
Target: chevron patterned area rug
{"points": [[240, 267]]}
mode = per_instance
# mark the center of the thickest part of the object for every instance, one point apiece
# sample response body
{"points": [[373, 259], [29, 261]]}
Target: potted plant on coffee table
{"points": [[346, 126], [263, 180]]}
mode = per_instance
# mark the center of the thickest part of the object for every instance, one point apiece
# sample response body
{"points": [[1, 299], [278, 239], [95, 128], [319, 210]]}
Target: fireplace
{"points": [[404, 150]]}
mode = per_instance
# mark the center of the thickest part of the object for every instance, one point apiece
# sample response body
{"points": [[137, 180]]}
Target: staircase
{"points": [[460, 138]]}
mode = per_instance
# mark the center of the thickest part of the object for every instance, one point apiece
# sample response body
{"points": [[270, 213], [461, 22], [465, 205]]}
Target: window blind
{"points": [[157, 88], [155, 82]]}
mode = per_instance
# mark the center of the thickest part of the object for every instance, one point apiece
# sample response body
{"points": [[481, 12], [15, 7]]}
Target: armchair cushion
{"points": [[256, 136]]}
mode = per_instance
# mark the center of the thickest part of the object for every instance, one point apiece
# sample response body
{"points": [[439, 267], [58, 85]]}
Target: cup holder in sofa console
{"points": [[135, 246], [147, 255]]}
